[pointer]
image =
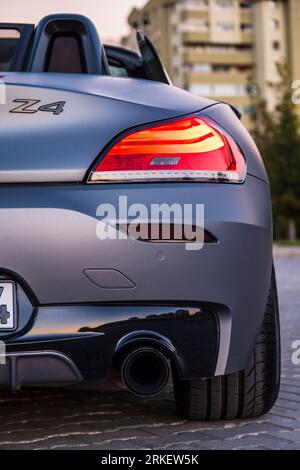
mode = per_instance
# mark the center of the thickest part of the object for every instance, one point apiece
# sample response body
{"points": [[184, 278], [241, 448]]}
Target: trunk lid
{"points": [[59, 143]]}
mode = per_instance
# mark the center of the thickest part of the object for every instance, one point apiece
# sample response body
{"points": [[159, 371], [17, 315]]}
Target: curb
{"points": [[286, 251]]}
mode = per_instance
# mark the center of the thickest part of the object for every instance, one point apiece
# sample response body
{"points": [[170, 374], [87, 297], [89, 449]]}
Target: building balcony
{"points": [[247, 37], [238, 101], [194, 14], [196, 5], [218, 58], [247, 16], [236, 78], [190, 37]]}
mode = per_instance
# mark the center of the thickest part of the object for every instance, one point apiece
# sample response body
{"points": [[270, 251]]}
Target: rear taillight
{"points": [[187, 149]]}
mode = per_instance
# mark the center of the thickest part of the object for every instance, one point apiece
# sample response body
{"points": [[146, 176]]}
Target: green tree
{"points": [[278, 138]]}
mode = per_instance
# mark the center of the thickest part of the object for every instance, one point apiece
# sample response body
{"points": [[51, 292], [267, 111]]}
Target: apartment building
{"points": [[276, 39], [215, 48]]}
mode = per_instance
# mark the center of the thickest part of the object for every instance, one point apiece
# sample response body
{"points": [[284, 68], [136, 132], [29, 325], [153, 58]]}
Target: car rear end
{"points": [[80, 303], [136, 231]]}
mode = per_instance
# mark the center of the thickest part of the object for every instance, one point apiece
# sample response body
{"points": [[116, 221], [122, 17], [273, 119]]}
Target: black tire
{"points": [[245, 394]]}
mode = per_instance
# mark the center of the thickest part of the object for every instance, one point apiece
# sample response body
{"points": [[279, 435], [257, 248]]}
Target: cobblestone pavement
{"points": [[62, 419]]}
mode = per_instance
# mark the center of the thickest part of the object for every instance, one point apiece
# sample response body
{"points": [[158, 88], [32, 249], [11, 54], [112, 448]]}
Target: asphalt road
{"points": [[64, 419]]}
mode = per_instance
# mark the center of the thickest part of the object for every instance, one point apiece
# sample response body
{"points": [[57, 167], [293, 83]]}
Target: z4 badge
{"points": [[30, 107]]}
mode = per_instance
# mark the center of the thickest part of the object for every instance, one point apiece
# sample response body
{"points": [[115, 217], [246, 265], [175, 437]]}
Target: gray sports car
{"points": [[135, 228]]}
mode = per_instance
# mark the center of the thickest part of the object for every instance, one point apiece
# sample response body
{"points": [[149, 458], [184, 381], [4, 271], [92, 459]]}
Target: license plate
{"points": [[7, 306]]}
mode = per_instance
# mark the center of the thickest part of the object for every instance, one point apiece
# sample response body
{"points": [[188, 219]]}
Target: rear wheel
{"points": [[245, 394]]}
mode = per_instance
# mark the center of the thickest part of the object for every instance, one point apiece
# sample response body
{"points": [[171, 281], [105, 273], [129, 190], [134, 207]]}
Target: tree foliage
{"points": [[278, 138]]}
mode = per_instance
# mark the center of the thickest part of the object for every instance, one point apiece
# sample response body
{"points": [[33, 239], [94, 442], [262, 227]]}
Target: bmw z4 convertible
{"points": [[87, 294]]}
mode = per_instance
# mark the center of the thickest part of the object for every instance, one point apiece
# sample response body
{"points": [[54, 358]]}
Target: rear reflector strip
{"points": [[163, 175], [169, 233]]}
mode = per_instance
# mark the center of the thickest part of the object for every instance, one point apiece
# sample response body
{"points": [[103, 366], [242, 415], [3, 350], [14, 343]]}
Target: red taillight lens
{"points": [[188, 149]]}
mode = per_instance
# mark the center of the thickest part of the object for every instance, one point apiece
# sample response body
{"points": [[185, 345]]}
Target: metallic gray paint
{"points": [[42, 147], [48, 231], [49, 234]]}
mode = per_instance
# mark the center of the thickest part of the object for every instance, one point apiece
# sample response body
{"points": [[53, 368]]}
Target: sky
{"points": [[109, 16]]}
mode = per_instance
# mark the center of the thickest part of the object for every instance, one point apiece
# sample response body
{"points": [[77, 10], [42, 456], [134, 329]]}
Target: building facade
{"points": [[216, 48]]}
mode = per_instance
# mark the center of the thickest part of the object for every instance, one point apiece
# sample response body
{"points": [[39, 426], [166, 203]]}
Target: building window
{"points": [[224, 4], [246, 5], [218, 90], [216, 49], [197, 68], [196, 4], [195, 26], [224, 26], [275, 24], [224, 68], [276, 45], [246, 27], [221, 68], [202, 68]]}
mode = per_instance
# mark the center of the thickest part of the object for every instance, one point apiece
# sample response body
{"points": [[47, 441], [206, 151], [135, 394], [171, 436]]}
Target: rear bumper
{"points": [[37, 368], [67, 344], [49, 236]]}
